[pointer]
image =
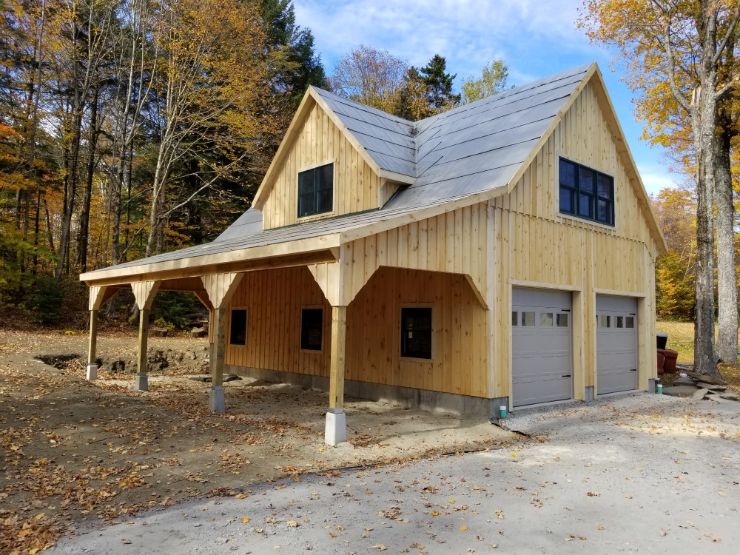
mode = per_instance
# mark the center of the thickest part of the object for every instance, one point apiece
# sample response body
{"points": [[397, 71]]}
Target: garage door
{"points": [[542, 362], [616, 321]]}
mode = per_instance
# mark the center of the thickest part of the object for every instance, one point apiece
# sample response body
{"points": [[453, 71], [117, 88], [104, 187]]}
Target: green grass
{"points": [[680, 338]]}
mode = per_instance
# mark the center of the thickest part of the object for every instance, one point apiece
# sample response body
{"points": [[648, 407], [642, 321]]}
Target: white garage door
{"points": [[616, 321], [542, 361]]}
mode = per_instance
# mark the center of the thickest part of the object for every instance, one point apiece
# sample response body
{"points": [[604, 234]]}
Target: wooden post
{"points": [[92, 367], [336, 422], [142, 379], [144, 292], [97, 295], [338, 344], [219, 288]]}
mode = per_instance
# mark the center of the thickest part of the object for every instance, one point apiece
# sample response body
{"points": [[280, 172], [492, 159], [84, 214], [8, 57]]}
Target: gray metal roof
{"points": [[474, 148]]}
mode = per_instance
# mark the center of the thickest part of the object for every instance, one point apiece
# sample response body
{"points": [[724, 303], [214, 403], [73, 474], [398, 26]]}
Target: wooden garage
{"points": [[390, 258]]}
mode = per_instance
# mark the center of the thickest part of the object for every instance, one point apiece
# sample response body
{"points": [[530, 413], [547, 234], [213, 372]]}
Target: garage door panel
{"points": [[541, 349], [616, 344]]}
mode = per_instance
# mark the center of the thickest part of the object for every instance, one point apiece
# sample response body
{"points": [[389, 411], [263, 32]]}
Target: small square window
{"points": [[620, 321], [515, 318], [629, 322], [238, 331], [316, 190], [312, 328], [416, 332], [605, 321], [547, 319], [528, 319], [562, 320]]}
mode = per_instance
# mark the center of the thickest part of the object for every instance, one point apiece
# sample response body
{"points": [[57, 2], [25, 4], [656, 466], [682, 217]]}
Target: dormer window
{"points": [[586, 193], [316, 190]]}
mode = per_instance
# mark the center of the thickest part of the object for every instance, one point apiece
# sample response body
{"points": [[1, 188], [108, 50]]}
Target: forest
{"points": [[134, 127]]}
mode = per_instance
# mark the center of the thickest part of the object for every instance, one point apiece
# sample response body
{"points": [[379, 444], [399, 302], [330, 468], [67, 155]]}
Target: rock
{"points": [[118, 366], [679, 390], [730, 396], [711, 387], [198, 332], [160, 332], [231, 378], [706, 378], [157, 360], [204, 379], [700, 394]]}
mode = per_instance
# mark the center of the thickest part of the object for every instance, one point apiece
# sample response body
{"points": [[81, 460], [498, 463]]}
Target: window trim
{"points": [[300, 329], [246, 326], [432, 350], [595, 195], [316, 215]]}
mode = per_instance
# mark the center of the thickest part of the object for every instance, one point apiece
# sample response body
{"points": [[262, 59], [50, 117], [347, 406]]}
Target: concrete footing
{"points": [[335, 431], [216, 400], [588, 393], [142, 382], [91, 373]]}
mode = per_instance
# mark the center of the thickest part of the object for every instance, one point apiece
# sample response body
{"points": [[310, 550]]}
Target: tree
{"points": [[492, 81], [372, 77], [439, 84], [681, 46]]}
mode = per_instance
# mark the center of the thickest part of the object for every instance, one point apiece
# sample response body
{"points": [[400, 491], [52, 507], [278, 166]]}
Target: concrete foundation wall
{"points": [[432, 401]]}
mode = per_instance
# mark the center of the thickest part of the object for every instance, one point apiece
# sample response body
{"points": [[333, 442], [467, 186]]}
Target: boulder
{"points": [[730, 396], [711, 387], [700, 394], [706, 378], [198, 332]]}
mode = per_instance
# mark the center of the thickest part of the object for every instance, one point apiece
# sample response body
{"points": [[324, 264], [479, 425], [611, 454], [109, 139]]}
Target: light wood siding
{"points": [[454, 242], [356, 186], [537, 246], [274, 300]]}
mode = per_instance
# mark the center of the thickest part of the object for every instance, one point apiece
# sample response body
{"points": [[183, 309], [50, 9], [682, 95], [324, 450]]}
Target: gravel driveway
{"points": [[638, 473]]}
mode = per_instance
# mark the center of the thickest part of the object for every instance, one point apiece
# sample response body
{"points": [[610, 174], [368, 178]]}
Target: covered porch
{"points": [[214, 280]]}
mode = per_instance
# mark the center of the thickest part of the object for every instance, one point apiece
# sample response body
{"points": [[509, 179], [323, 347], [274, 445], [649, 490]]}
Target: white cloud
{"points": [[656, 177], [469, 33]]}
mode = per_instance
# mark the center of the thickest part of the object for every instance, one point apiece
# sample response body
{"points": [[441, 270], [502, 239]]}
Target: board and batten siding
{"points": [[274, 299], [537, 246], [319, 141]]}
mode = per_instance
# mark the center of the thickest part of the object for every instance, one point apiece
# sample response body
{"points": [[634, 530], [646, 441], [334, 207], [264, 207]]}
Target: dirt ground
{"points": [[74, 453]]}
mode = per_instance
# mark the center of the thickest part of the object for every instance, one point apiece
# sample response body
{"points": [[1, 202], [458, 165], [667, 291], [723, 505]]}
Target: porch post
{"points": [[144, 292], [219, 288], [97, 295], [142, 378], [336, 422], [216, 400]]}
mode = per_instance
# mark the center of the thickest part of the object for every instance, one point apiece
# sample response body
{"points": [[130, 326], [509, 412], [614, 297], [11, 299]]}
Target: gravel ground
{"points": [[637, 473]]}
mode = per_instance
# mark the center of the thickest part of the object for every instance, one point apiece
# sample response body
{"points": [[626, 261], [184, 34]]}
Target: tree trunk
{"points": [[727, 321], [84, 231]]}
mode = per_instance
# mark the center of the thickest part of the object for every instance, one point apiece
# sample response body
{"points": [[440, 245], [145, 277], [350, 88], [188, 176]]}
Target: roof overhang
{"points": [[300, 252]]}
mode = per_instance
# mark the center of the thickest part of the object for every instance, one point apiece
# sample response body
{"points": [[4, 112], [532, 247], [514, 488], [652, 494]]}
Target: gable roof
{"points": [[459, 157]]}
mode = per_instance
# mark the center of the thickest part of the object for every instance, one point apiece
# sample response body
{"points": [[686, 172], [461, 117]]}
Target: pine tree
{"points": [[439, 84]]}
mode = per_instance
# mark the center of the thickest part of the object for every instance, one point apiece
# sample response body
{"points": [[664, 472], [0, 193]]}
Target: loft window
{"points": [[238, 332], [316, 190], [416, 332], [312, 328], [586, 193]]}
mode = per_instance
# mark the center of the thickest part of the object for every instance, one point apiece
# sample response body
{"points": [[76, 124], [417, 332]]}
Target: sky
{"points": [[535, 38]]}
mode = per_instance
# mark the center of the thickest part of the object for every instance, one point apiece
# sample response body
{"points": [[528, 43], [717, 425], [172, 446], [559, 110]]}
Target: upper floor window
{"points": [[586, 193], [316, 190]]}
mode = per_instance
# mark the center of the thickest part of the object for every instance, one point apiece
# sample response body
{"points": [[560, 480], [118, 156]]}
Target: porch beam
{"points": [[144, 292]]}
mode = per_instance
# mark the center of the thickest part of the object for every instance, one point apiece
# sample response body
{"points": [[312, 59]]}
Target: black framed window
{"points": [[586, 193], [316, 190], [238, 332], [312, 328], [416, 332]]}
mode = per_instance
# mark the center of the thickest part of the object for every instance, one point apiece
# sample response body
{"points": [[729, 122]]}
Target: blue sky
{"points": [[534, 37]]}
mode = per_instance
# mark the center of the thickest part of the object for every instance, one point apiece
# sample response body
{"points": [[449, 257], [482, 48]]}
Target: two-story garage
{"points": [[502, 252]]}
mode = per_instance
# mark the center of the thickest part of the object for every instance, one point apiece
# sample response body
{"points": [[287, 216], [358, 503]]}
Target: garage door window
{"points": [[528, 319], [514, 318], [629, 322], [562, 320], [547, 319], [605, 321]]}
